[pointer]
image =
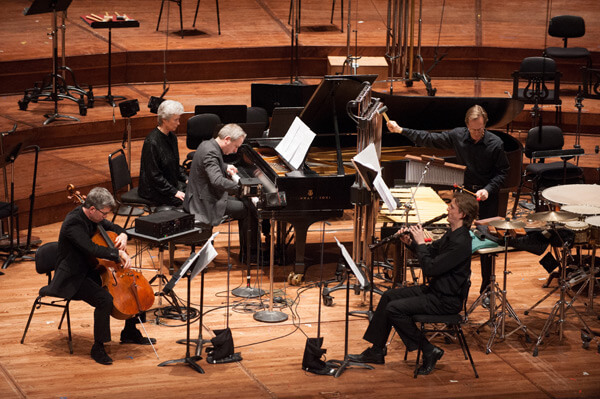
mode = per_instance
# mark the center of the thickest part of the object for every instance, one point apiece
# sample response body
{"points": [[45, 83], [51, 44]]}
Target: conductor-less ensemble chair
{"points": [[567, 27], [448, 324], [45, 263], [121, 180]]}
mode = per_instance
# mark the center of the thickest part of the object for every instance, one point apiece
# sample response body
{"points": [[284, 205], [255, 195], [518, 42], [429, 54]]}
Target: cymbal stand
{"points": [[497, 320], [561, 307]]}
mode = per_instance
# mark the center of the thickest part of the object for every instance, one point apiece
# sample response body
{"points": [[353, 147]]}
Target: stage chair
{"points": [[121, 179], [449, 324], [45, 263], [566, 27], [531, 84], [200, 127], [542, 175], [257, 115], [178, 2]]}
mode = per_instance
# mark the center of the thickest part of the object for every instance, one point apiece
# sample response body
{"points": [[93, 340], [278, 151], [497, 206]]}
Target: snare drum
{"points": [[581, 230], [594, 222]]}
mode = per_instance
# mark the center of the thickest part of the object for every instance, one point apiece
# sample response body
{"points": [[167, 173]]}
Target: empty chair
{"points": [[540, 174], [45, 263], [199, 128], [567, 27], [124, 192], [538, 82], [178, 2]]}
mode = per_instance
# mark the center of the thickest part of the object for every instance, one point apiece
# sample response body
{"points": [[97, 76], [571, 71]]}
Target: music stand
{"points": [[194, 265], [9, 159], [351, 268], [42, 7]]}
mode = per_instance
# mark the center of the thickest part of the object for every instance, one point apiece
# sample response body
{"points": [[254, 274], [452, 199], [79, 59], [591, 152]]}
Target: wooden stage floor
{"points": [[485, 42], [272, 352]]}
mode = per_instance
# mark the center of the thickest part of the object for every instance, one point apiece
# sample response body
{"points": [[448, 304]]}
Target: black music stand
{"points": [[53, 6], [113, 23], [351, 268], [194, 265]]}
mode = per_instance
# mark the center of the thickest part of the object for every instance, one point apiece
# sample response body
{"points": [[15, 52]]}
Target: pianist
{"points": [[162, 179], [447, 265], [211, 186], [482, 153]]}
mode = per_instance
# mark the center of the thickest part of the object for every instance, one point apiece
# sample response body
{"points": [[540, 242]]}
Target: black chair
{"points": [[566, 27], [538, 82], [199, 128], [448, 324], [178, 2], [258, 115], [121, 180], [45, 263], [538, 173]]}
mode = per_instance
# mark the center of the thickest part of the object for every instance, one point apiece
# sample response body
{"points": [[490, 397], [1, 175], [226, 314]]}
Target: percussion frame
{"points": [[497, 320], [561, 307]]}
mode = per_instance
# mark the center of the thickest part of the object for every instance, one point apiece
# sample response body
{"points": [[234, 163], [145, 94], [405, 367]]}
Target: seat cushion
{"points": [[569, 52], [5, 209], [132, 197], [541, 168]]}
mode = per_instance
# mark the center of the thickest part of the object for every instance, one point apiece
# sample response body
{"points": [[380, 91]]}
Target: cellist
{"points": [[76, 276]]}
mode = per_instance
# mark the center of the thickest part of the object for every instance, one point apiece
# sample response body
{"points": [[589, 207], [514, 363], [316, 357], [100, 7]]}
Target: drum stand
{"points": [[561, 307], [497, 320]]}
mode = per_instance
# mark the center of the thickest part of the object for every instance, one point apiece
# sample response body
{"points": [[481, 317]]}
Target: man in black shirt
{"points": [[76, 276], [482, 153], [162, 179], [446, 263]]}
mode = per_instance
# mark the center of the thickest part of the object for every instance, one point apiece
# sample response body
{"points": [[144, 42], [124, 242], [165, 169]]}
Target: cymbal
{"points": [[507, 224], [587, 210], [553, 216]]}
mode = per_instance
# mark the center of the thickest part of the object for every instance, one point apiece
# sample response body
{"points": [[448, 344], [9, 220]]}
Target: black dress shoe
{"points": [[99, 354], [135, 337], [429, 360], [369, 355]]}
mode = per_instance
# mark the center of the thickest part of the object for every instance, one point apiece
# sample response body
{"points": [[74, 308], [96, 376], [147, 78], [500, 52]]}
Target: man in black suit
{"points": [[446, 263], [210, 190], [77, 278]]}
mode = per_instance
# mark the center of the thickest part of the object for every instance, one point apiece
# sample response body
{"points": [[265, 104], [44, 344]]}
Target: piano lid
{"points": [[443, 113], [330, 100]]}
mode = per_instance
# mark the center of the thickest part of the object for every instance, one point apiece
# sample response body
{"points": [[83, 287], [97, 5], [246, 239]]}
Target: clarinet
{"points": [[396, 236]]}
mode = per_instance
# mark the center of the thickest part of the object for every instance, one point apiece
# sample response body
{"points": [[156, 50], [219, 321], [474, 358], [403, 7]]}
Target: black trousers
{"points": [[395, 309], [92, 293]]}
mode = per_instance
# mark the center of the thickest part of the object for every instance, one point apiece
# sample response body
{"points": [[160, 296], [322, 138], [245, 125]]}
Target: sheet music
{"points": [[359, 275], [205, 256], [296, 142], [368, 159]]}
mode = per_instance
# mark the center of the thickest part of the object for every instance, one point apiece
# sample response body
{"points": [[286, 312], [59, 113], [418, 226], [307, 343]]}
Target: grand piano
{"points": [[320, 188]]}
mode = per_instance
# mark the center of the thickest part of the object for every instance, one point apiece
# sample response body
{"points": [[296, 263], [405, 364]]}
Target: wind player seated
{"points": [[210, 190], [77, 278], [446, 263]]}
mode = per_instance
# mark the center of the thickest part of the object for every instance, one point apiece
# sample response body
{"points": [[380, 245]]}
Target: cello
{"points": [[129, 288]]}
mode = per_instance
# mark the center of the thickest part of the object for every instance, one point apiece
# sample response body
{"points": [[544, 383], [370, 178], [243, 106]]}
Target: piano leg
{"points": [[300, 232]]}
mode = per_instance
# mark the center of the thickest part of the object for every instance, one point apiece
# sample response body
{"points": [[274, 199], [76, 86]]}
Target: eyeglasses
{"points": [[102, 212]]}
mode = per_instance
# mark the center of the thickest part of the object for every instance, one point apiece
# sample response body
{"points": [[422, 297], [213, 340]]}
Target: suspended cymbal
{"points": [[507, 224], [587, 210], [553, 216]]}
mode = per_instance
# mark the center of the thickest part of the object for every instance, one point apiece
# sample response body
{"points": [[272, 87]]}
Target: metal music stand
{"points": [[42, 7], [351, 268], [194, 265]]}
